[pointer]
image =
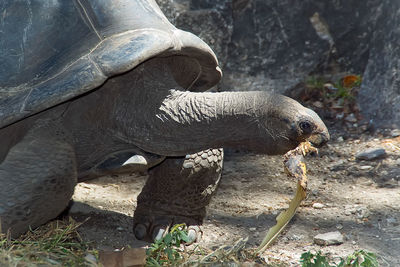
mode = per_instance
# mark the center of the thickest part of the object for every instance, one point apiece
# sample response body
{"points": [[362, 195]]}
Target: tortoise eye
{"points": [[305, 126]]}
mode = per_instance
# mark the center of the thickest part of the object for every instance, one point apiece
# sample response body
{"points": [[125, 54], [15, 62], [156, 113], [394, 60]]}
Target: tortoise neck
{"points": [[188, 122]]}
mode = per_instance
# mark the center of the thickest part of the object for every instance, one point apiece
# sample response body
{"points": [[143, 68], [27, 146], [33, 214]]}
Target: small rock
{"points": [[91, 258], [339, 116], [365, 167], [340, 139], [348, 210], [327, 239], [362, 212], [330, 86], [337, 166], [395, 133], [119, 228], [391, 221], [318, 104], [371, 154], [351, 118], [339, 226], [318, 206], [252, 229], [392, 183], [296, 237], [315, 192]]}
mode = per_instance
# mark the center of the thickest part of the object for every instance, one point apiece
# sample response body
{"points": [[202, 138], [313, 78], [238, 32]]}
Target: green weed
{"points": [[164, 252], [340, 90], [359, 258], [56, 243]]}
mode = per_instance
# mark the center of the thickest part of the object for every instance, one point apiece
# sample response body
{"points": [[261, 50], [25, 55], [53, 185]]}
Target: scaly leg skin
{"points": [[37, 180], [178, 191]]}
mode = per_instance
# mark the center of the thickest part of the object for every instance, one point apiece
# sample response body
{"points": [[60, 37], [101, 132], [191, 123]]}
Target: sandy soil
{"points": [[361, 199]]}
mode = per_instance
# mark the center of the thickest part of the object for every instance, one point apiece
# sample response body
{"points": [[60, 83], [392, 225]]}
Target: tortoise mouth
{"points": [[318, 139]]}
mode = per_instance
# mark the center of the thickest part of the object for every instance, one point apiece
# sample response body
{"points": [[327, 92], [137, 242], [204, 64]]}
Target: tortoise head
{"points": [[286, 123]]}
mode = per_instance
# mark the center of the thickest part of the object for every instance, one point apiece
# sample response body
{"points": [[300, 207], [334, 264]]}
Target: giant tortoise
{"points": [[96, 87]]}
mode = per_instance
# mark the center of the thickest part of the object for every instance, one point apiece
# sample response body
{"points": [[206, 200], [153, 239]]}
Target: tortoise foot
{"points": [[154, 228], [177, 191]]}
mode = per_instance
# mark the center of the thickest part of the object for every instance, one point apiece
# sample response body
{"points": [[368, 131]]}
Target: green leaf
{"points": [[357, 259], [169, 254], [184, 237], [167, 239], [308, 259]]}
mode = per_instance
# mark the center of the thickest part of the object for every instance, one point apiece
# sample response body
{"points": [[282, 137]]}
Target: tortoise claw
{"points": [[159, 232], [194, 234], [155, 230]]}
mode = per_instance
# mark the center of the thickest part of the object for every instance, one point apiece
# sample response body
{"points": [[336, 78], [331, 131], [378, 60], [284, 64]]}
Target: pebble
{"points": [[340, 139], [371, 154], [339, 226], [318, 205], [337, 166], [391, 221], [351, 118], [395, 133], [360, 211], [330, 86], [363, 212], [327, 239], [318, 104], [252, 229], [349, 209], [339, 116], [91, 258], [365, 167]]}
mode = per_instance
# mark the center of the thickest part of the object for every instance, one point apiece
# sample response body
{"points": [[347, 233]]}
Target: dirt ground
{"points": [[361, 199]]}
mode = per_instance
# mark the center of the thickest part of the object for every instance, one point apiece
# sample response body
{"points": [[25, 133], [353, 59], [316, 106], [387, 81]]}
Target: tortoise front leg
{"points": [[37, 180], [177, 191]]}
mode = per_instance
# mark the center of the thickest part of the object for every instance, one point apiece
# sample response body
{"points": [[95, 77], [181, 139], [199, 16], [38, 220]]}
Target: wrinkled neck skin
{"points": [[151, 111], [187, 122]]}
